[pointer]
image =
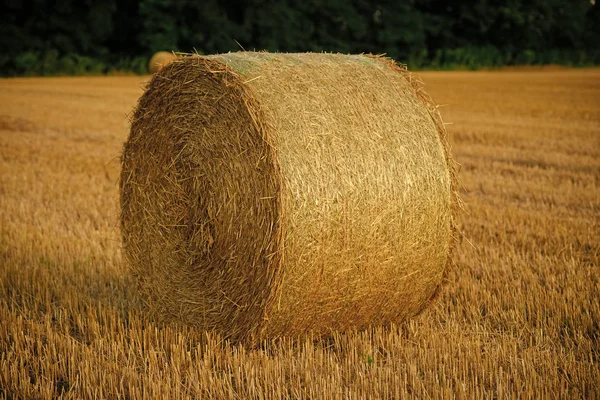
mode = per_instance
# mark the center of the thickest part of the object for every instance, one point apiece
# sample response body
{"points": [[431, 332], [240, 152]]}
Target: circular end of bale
{"points": [[160, 60], [199, 197]]}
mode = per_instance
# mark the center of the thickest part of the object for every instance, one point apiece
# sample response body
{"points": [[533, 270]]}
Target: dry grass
{"points": [[267, 195], [519, 318]]}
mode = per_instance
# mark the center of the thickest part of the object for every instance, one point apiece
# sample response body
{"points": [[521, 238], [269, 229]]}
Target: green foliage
{"points": [[49, 64], [136, 65], [43, 37], [27, 63], [526, 57], [470, 58]]}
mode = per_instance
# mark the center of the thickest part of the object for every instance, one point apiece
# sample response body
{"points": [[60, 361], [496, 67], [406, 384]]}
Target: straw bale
{"points": [[267, 195], [160, 60]]}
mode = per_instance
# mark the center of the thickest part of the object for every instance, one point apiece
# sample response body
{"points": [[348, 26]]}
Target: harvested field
{"points": [[519, 318]]}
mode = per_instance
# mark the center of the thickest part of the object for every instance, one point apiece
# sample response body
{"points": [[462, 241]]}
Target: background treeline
{"points": [[50, 37]]}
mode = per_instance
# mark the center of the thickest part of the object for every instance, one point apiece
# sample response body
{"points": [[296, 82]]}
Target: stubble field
{"points": [[520, 316]]}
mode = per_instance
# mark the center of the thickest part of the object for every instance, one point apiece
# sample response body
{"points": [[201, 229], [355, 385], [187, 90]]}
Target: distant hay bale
{"points": [[267, 195], [160, 60]]}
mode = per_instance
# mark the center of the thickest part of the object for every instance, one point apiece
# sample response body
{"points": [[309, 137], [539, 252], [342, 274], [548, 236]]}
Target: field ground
{"points": [[519, 318]]}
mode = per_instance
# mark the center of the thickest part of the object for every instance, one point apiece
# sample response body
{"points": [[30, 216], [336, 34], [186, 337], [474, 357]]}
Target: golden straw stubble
{"points": [[267, 195]]}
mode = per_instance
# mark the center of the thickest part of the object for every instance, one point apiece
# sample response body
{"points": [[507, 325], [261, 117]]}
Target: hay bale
{"points": [[274, 194], [160, 60]]}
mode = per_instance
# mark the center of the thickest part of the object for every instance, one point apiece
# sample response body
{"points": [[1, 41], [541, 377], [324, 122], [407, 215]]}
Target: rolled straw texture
{"points": [[267, 195], [160, 60]]}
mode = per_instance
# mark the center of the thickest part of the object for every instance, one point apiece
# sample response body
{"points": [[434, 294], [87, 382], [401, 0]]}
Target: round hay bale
{"points": [[266, 195], [160, 60]]}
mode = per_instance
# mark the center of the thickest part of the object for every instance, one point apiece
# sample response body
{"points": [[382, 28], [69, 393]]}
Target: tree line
{"points": [[49, 37]]}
